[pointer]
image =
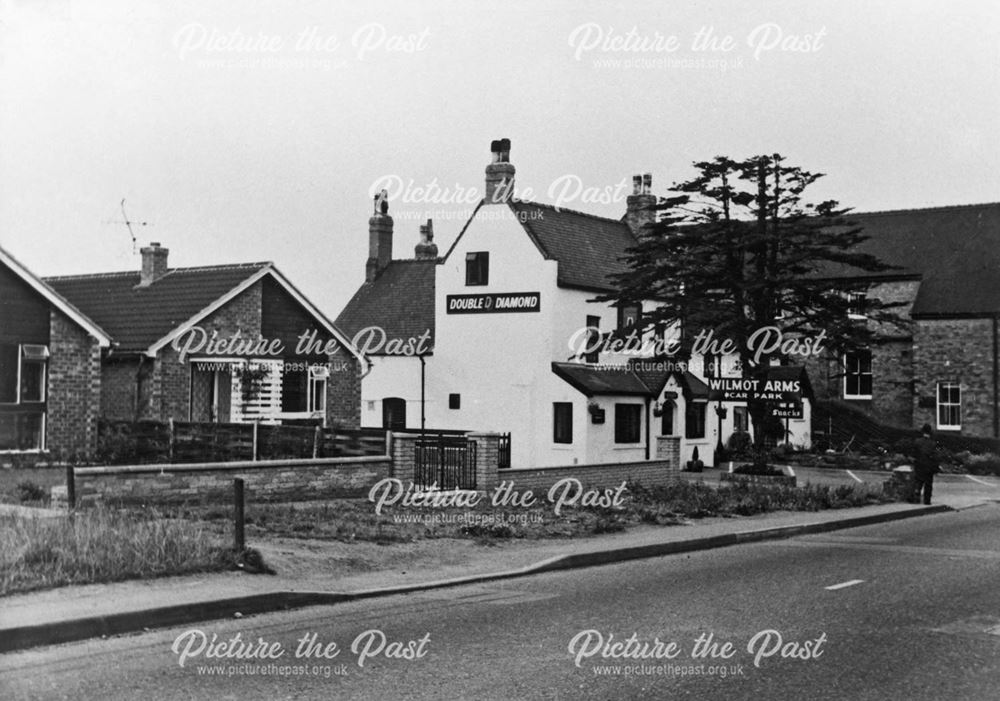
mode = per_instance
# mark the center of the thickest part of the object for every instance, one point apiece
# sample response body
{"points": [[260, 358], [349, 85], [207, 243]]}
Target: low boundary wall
{"points": [[279, 480], [648, 473]]}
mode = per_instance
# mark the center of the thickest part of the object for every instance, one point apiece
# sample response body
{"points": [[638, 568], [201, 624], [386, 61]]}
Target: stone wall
{"points": [[285, 480], [955, 350], [73, 398]]}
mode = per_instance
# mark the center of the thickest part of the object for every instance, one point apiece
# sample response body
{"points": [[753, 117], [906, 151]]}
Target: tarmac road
{"points": [[903, 610]]}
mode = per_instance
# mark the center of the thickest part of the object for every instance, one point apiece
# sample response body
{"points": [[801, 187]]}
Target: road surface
{"points": [[905, 610]]}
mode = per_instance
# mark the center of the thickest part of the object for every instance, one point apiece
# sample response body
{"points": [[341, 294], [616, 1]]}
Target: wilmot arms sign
{"points": [[739, 389]]}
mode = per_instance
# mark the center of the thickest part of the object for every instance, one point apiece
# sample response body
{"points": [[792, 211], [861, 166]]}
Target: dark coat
{"points": [[925, 458]]}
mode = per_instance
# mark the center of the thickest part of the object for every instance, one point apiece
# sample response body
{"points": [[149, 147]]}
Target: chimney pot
{"points": [[426, 248], [499, 173], [154, 263], [641, 204], [379, 237]]}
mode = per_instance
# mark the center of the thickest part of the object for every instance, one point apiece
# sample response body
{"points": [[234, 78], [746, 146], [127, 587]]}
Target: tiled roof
{"points": [[592, 380], [587, 247], [653, 372], [400, 300], [137, 317], [955, 250]]}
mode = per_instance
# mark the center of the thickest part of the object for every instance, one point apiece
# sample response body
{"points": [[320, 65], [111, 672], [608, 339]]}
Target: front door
{"points": [[393, 413]]}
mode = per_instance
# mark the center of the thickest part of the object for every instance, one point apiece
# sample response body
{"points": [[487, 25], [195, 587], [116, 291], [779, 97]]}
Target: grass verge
{"points": [[14, 483], [102, 545], [351, 520]]}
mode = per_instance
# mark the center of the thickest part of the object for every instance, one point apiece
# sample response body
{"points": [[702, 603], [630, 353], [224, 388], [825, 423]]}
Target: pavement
{"points": [[74, 613]]}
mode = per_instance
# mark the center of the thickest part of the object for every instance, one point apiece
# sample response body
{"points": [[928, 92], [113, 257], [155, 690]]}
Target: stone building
{"points": [[943, 368]]}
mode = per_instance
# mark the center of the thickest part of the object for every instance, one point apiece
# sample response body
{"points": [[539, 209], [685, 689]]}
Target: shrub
{"points": [[608, 524], [739, 444], [116, 445], [488, 530], [29, 491], [985, 464]]}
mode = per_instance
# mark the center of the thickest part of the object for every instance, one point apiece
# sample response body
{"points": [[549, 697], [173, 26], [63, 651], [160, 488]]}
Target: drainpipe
{"points": [[137, 396], [647, 428], [423, 376], [996, 381]]}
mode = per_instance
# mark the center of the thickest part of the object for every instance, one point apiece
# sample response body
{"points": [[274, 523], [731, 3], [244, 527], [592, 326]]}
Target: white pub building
{"points": [[492, 336]]}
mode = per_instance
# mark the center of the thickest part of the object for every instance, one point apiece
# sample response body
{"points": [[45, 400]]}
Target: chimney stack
{"points": [[499, 174], [641, 204], [154, 263], [426, 248], [379, 237]]}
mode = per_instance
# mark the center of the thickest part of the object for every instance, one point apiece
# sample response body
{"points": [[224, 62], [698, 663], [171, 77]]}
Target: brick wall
{"points": [[955, 350], [647, 473], [118, 381], [170, 387], [664, 470], [170, 384], [74, 388], [343, 391], [292, 480], [171, 381]]}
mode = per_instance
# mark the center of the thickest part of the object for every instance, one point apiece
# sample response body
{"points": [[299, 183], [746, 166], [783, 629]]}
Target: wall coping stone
{"points": [[161, 468], [636, 463]]}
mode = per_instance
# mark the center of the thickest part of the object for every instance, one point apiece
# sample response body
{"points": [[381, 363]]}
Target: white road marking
{"points": [[974, 479], [842, 585], [791, 470], [854, 476]]}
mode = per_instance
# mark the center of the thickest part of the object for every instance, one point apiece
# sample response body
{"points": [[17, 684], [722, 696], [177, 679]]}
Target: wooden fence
{"points": [[144, 442]]}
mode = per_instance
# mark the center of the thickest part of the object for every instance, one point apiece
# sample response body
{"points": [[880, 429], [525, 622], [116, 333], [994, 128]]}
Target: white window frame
{"points": [[938, 405], [42, 357], [870, 373], [319, 375], [856, 303]]}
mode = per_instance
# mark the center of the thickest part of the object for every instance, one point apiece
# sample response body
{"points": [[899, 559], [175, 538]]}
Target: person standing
{"points": [[925, 465]]}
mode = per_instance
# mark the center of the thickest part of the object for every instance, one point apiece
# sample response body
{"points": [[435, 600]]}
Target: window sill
{"points": [[949, 428], [849, 397]]}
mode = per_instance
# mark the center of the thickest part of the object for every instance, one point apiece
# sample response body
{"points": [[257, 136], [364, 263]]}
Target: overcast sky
{"points": [[245, 131]]}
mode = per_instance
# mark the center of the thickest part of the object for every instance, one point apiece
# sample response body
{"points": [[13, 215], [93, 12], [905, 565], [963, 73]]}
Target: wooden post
{"points": [[238, 515], [170, 444], [70, 487], [317, 434], [256, 425]]}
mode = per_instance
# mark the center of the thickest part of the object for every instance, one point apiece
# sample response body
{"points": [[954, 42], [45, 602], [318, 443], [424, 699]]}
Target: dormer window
{"points": [[477, 268]]}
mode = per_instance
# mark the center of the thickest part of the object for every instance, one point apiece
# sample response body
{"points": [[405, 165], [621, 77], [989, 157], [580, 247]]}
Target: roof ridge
{"points": [[571, 211], [77, 276], [191, 268], [936, 208]]}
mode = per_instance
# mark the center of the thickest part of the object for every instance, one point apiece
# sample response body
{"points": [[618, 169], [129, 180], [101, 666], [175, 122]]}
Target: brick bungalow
{"points": [[50, 367], [945, 369], [219, 343]]}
